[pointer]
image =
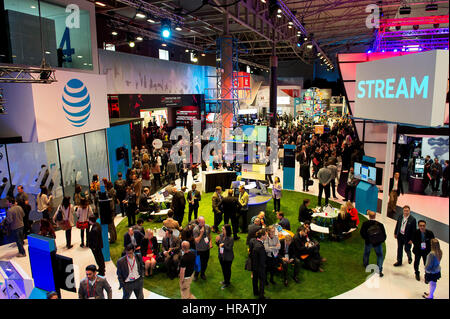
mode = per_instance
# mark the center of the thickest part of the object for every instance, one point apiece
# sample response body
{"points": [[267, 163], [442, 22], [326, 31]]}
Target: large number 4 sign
{"points": [[68, 51]]}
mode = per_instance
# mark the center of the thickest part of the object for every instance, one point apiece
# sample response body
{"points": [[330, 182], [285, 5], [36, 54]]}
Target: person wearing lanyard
{"points": [[272, 246], [187, 264], [225, 243], [130, 271], [92, 286], [404, 230], [202, 237], [422, 245]]}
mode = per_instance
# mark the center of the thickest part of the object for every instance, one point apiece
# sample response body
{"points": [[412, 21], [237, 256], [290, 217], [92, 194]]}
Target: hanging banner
{"points": [[77, 103], [405, 89]]}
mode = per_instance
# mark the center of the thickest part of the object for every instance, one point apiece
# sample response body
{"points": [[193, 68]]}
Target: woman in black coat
{"points": [[225, 243], [304, 168]]}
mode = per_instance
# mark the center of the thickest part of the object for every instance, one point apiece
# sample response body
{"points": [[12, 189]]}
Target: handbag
{"points": [[59, 215], [82, 225]]}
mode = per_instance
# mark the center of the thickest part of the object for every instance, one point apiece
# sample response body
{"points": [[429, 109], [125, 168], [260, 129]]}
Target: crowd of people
{"points": [[185, 249]]}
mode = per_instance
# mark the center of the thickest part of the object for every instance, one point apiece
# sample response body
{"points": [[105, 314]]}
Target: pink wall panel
{"points": [[348, 71]]}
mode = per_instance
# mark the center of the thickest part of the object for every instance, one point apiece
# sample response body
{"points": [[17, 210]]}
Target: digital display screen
{"points": [[365, 173], [419, 166]]}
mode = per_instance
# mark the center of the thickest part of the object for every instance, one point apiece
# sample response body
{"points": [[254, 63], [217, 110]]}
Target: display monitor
{"points": [[419, 165], [365, 173]]}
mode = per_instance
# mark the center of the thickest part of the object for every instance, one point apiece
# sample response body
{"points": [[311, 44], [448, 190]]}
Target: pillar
{"points": [[273, 86]]}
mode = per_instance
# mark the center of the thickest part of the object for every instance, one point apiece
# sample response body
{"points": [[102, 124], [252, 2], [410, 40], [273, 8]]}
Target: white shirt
{"points": [[404, 222], [133, 269], [395, 187]]}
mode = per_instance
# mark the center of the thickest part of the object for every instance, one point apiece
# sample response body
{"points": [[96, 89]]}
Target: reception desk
{"points": [[415, 184], [256, 204], [211, 179]]}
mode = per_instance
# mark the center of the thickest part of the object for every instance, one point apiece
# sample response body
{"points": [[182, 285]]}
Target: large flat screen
{"points": [[419, 165], [366, 173]]}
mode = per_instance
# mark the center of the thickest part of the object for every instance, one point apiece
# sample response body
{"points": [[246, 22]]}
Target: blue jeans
{"points": [[378, 251], [18, 235]]}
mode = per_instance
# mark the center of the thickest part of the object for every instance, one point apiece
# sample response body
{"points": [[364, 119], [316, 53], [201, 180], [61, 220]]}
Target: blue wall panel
{"points": [[118, 136]]}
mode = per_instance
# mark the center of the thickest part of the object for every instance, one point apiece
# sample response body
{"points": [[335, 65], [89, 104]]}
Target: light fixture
{"points": [[33, 7], [309, 46], [431, 7], [114, 33], [47, 52], [279, 11], [165, 28], [139, 38], [263, 1], [203, 54], [79, 56], [151, 20], [178, 29], [141, 15], [164, 44], [369, 51], [187, 50], [305, 38], [194, 57], [290, 23], [289, 26], [278, 15], [395, 50], [131, 44], [101, 4]]}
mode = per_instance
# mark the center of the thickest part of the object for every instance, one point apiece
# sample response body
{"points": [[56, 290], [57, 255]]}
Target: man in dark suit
{"points": [[130, 272], [193, 197], [178, 205], [287, 255], [304, 213], [404, 230], [395, 188], [95, 243], [258, 259], [217, 209], [422, 245], [253, 229], [171, 246], [230, 206], [133, 237]]}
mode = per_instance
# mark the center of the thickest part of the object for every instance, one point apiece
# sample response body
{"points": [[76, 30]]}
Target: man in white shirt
{"points": [[130, 270], [395, 189]]}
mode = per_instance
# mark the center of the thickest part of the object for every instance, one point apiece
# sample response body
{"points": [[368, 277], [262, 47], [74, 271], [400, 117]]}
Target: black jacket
{"points": [[230, 206], [123, 269], [299, 243], [409, 229], [137, 235], [304, 213], [291, 249], [400, 186], [365, 226], [178, 203], [252, 230], [258, 256], [144, 246], [228, 244], [191, 194], [94, 237], [417, 241]]}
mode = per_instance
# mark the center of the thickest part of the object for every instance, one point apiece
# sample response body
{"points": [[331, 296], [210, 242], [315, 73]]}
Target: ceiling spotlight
{"points": [[131, 44], [405, 10], [33, 7], [278, 15], [289, 26], [187, 50], [114, 33], [194, 57], [431, 7], [263, 1], [165, 28], [279, 11], [141, 15], [164, 44], [309, 46], [305, 38], [139, 38], [151, 20], [290, 23], [203, 54], [178, 29], [101, 4]]}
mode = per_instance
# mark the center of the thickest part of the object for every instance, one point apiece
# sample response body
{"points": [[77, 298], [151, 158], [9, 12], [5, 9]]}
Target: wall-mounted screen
{"points": [[366, 173]]}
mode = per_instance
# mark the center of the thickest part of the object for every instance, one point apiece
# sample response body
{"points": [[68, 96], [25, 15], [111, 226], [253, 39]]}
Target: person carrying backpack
{"points": [[374, 234]]}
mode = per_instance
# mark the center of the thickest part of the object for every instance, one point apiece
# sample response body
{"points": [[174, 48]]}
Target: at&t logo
{"points": [[76, 102]]}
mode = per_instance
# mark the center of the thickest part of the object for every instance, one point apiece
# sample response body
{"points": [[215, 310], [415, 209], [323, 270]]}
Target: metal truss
{"points": [[402, 40], [153, 10], [17, 74]]}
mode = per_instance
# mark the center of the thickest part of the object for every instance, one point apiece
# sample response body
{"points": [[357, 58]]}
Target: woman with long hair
{"points": [[149, 251], [83, 212], [146, 175], [433, 268], [44, 203], [276, 194], [64, 219], [225, 244]]}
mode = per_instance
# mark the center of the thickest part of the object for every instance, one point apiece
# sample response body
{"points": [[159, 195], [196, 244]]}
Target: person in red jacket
{"points": [[353, 213]]}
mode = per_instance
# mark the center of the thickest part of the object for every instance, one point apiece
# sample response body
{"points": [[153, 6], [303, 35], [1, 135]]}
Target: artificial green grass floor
{"points": [[343, 269]]}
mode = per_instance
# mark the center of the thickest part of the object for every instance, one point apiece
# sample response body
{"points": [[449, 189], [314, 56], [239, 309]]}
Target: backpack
{"points": [[375, 234]]}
